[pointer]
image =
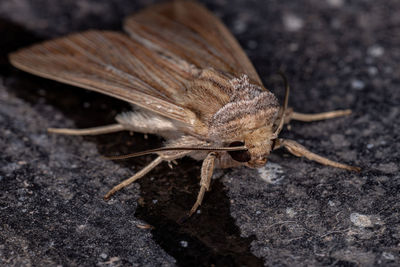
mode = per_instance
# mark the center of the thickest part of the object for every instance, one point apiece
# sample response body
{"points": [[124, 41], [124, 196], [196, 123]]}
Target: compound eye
{"points": [[240, 155]]}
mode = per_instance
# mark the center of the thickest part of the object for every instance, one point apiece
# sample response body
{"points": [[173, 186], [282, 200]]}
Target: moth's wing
{"points": [[188, 30], [112, 63]]}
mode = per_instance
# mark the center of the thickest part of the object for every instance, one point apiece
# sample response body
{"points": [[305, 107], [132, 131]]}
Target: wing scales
{"points": [[113, 64], [188, 30], [164, 66]]}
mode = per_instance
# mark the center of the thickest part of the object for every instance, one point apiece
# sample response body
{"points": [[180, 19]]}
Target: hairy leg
{"points": [[291, 115], [167, 156], [135, 177], [300, 151], [139, 121], [89, 131], [183, 141], [206, 173]]}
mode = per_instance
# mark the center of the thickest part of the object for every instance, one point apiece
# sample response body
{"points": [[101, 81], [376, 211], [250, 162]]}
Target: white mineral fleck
{"points": [[271, 173], [360, 220]]}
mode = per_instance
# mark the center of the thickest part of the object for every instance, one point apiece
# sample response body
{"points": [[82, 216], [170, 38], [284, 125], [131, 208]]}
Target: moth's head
{"points": [[251, 119], [259, 145]]}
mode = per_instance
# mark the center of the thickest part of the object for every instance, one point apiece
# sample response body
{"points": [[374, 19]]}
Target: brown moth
{"points": [[190, 83]]}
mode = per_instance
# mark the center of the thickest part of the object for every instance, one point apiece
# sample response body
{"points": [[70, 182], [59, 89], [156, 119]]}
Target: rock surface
{"points": [[337, 54]]}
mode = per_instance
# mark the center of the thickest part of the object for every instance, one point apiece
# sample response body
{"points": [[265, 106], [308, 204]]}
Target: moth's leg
{"points": [[135, 177], [291, 115], [207, 169], [140, 121], [167, 156], [89, 131], [300, 151]]}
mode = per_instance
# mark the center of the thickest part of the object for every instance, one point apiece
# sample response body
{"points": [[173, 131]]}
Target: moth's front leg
{"points": [[163, 156], [291, 115], [300, 151], [207, 169]]}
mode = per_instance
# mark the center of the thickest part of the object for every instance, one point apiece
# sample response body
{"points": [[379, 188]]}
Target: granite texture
{"points": [[337, 54]]}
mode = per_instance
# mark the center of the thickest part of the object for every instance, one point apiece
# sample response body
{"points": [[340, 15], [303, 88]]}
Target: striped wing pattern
{"points": [[155, 66]]}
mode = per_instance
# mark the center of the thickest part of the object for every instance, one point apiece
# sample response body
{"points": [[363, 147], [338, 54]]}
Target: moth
{"points": [[189, 82]]}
